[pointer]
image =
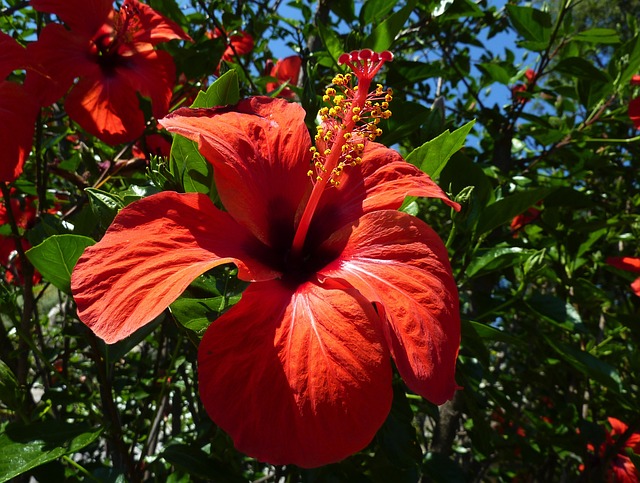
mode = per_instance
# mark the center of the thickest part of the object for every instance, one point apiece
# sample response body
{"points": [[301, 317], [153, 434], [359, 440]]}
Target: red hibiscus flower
{"points": [[17, 109], [285, 70], [112, 53], [518, 89], [298, 372], [23, 212], [240, 43], [523, 219], [627, 263], [622, 469]]}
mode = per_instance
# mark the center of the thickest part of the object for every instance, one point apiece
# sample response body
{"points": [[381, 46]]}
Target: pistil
{"points": [[346, 126]]}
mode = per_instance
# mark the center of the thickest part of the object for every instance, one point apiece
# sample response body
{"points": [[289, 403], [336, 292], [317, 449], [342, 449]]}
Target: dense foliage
{"points": [[521, 117]]}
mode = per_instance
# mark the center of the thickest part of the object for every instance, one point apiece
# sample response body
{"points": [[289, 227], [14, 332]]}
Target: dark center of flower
{"points": [[113, 41]]}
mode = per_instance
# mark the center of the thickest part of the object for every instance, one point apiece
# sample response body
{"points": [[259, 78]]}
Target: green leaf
{"points": [[497, 258], [496, 72], [587, 364], [104, 205], [224, 91], [10, 394], [556, 311], [197, 314], [433, 155], [532, 24], [582, 69], [23, 447], [385, 33], [56, 257], [190, 167], [375, 10], [503, 211], [197, 463], [598, 36], [331, 41]]}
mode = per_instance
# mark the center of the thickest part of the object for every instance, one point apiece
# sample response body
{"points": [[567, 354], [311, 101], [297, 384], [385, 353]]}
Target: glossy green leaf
{"points": [[532, 24], [104, 205], [224, 91], [496, 259], [10, 393], [502, 211], [373, 11], [56, 257], [598, 36], [24, 447], [556, 311], [587, 364], [385, 33], [197, 314], [433, 155]]}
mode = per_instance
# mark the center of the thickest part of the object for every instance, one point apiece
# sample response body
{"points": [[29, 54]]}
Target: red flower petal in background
{"points": [[286, 70], [240, 43], [17, 109], [114, 60], [307, 407], [622, 469], [634, 112], [630, 264], [635, 80]]}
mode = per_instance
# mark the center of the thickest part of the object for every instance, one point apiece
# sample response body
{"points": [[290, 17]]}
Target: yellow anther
{"points": [[378, 132], [330, 91], [359, 146], [388, 98], [310, 173], [347, 136], [356, 110], [386, 114], [312, 149], [324, 111], [318, 178], [327, 152], [355, 118], [326, 98], [384, 105]]}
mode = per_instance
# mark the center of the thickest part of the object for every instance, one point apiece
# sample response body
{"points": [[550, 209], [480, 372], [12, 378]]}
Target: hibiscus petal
{"points": [[399, 262], [634, 112], [635, 286], [296, 376], [153, 250], [57, 58], [381, 182], [12, 55], [260, 153], [631, 264], [19, 111], [153, 26], [81, 16], [107, 107]]}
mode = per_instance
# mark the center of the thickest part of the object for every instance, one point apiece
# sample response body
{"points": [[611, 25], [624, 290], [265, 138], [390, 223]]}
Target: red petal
{"points": [[19, 111], [153, 250], [634, 112], [12, 55], [381, 182], [81, 16], [154, 27], [296, 377], [398, 261], [106, 107], [58, 57], [635, 286], [260, 153], [631, 264]]}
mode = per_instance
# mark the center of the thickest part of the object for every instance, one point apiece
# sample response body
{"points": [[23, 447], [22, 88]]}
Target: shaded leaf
{"points": [[56, 257], [24, 447], [433, 155]]}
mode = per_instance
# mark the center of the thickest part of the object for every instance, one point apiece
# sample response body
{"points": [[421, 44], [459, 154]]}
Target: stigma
{"points": [[350, 117]]}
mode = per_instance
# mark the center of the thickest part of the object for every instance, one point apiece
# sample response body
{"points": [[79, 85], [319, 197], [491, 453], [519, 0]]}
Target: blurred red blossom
{"points": [[518, 89], [239, 43], [285, 70], [622, 469], [17, 109], [112, 54], [23, 212], [634, 104], [630, 264], [520, 221]]}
